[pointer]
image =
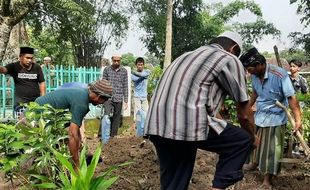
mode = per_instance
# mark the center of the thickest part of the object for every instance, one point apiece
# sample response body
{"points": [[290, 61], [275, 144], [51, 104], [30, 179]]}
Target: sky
{"points": [[279, 12]]}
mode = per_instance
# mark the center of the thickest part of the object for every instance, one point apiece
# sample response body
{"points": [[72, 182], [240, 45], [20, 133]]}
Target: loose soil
{"points": [[143, 172]]}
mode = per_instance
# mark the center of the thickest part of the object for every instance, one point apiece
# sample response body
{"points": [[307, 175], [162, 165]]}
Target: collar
{"points": [[266, 71], [217, 46], [117, 69], [28, 69]]}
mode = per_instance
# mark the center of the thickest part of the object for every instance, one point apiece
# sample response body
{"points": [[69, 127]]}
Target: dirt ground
{"points": [[143, 173]]}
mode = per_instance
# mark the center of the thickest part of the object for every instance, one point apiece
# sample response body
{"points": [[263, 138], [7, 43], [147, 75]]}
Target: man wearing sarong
{"points": [[270, 83]]}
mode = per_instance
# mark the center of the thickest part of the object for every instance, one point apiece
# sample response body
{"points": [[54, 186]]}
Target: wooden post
{"points": [[168, 45], [276, 52]]}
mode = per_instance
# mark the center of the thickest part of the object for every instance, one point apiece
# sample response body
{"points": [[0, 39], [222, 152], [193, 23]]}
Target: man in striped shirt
{"points": [[183, 114]]}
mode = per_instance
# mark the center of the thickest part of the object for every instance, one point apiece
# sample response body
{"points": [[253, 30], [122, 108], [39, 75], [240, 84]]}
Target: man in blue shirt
{"points": [[77, 101], [139, 78], [270, 83]]}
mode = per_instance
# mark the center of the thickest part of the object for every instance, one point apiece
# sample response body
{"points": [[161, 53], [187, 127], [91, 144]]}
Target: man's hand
{"points": [[3, 70]]}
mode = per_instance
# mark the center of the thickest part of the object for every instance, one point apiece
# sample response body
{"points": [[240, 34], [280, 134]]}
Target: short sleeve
{"points": [[10, 67], [105, 74], [78, 113], [40, 75]]}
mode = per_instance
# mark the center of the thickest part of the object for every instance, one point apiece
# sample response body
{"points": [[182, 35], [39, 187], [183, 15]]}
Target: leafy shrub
{"points": [[25, 146], [84, 178]]}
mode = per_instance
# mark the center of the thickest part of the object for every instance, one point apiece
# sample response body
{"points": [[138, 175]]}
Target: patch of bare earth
{"points": [[143, 173]]}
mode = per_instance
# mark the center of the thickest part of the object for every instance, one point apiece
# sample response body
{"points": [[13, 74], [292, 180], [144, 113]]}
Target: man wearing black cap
{"points": [[270, 83], [77, 101], [28, 78]]}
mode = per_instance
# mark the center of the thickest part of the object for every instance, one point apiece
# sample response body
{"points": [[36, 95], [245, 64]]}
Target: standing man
{"points": [[28, 78], [77, 101], [300, 84], [118, 77], [183, 114], [47, 63], [139, 78], [270, 83], [49, 69]]}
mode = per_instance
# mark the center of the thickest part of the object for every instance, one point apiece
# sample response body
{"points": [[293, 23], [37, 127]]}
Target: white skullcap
{"points": [[234, 36], [117, 55], [47, 59]]}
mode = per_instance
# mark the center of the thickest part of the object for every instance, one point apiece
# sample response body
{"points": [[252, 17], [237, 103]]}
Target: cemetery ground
{"points": [[143, 173]]}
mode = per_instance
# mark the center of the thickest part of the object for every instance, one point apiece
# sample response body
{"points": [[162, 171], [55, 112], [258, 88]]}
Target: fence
{"points": [[53, 78]]}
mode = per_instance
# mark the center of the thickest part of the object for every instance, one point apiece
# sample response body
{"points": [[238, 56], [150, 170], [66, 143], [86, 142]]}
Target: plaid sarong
{"points": [[270, 150]]}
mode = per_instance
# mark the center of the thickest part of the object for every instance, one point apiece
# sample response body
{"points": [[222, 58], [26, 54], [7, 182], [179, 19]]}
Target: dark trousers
{"points": [[114, 109], [177, 158]]}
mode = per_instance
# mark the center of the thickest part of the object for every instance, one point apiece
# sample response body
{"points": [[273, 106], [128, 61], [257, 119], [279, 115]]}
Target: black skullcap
{"points": [[251, 57], [26, 50]]}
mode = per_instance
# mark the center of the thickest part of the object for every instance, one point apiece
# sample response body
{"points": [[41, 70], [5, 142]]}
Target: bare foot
{"points": [[265, 186], [267, 181]]}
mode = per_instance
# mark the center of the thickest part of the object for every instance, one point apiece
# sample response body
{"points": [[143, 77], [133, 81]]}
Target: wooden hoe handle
{"points": [[298, 134]]}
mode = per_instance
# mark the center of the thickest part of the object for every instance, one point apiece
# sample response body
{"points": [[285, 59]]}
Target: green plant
{"points": [[83, 178], [11, 145], [49, 131], [228, 111], [156, 73], [24, 146]]}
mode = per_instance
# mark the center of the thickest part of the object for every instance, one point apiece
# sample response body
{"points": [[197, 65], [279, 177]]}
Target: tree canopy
{"points": [[298, 38], [86, 27], [195, 23]]}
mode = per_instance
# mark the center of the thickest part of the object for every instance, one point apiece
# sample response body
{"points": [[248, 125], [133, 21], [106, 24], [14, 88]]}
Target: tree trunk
{"points": [[5, 30], [168, 34], [18, 38]]}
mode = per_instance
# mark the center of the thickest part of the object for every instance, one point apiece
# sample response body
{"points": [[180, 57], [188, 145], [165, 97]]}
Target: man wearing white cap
{"points": [[118, 77], [49, 70], [183, 115]]}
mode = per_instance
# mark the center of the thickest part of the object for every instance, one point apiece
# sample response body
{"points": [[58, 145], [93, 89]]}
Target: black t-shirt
{"points": [[26, 81]]}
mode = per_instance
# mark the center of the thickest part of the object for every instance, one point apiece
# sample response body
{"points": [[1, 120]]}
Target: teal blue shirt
{"points": [[275, 86], [140, 83], [74, 99]]}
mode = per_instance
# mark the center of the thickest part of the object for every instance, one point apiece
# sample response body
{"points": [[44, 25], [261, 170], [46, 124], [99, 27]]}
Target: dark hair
{"points": [[139, 59], [226, 43], [252, 58], [296, 62], [260, 58]]}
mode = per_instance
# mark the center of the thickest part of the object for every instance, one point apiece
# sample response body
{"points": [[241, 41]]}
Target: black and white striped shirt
{"points": [[191, 92]]}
